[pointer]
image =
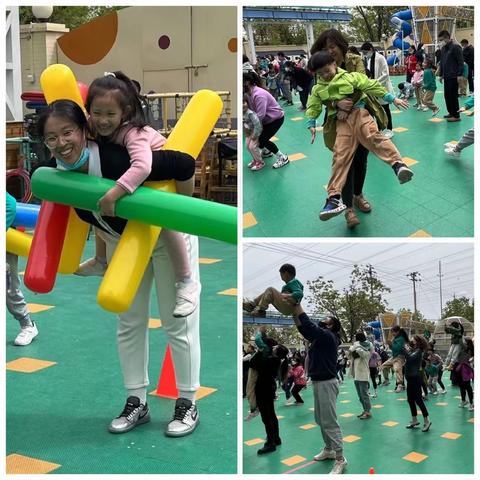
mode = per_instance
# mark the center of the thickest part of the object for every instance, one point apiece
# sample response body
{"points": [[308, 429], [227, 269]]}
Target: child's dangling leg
{"points": [[188, 289], [97, 265], [253, 147]]}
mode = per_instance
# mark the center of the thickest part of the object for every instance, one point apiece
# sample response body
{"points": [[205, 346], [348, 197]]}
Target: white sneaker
{"points": [[443, 391], [425, 109], [452, 152], [324, 455], [186, 298], [435, 111], [339, 467], [470, 408], [252, 415], [388, 133], [250, 164], [26, 335], [93, 267], [462, 404], [281, 162], [185, 419], [399, 389]]}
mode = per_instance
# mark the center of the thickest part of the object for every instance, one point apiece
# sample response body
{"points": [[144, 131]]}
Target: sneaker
{"points": [[443, 391], [351, 218], [134, 413], [248, 305], [415, 105], [426, 426], [299, 403], [452, 152], [257, 166], [26, 336], [454, 119], [339, 467], [266, 153], [412, 425], [419, 108], [373, 395], [403, 173], [324, 455], [362, 203], [435, 111], [186, 298], [388, 133], [425, 109], [447, 116], [252, 414], [281, 161], [93, 267], [365, 416], [258, 312], [462, 404], [434, 393], [185, 419], [470, 408], [251, 164], [333, 207], [385, 383], [399, 389]]}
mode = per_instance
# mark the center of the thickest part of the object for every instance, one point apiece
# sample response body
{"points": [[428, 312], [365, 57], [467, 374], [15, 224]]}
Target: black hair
{"points": [[334, 36], [66, 109], [336, 324], [360, 337], [367, 46], [287, 268], [319, 60], [280, 54], [443, 34], [429, 62], [470, 347], [353, 50], [420, 341], [401, 86], [125, 94], [137, 85], [458, 325], [464, 42], [270, 66], [245, 59], [253, 78]]}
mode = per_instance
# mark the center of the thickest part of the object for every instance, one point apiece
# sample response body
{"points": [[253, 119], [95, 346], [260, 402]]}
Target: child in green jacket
{"points": [[352, 128]]}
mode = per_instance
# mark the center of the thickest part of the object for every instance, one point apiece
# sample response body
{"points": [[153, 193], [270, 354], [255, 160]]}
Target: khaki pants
{"points": [[271, 296], [428, 99], [397, 364], [418, 94], [358, 128], [462, 86], [251, 382]]}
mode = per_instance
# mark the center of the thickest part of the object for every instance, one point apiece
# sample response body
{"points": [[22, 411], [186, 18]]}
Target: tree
{"points": [[285, 335], [459, 307], [72, 17], [370, 23], [358, 303]]}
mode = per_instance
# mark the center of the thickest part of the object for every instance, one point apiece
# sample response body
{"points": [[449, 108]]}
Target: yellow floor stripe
{"points": [[293, 460], [400, 129], [308, 426], [390, 423], [319, 129], [296, 119], [20, 464], [347, 415], [415, 457], [345, 401], [377, 406], [154, 323], [204, 392], [249, 220], [254, 441], [37, 307], [28, 365], [409, 161], [279, 417], [420, 233], [472, 420], [296, 156], [436, 120], [351, 438], [208, 261], [230, 291], [451, 436], [395, 112], [442, 404]]}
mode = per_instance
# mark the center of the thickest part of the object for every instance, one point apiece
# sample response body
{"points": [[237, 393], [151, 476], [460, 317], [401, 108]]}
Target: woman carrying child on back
{"points": [[352, 128], [116, 115]]}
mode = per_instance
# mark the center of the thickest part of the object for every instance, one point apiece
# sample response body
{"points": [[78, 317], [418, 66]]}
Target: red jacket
{"points": [[298, 375], [411, 63]]}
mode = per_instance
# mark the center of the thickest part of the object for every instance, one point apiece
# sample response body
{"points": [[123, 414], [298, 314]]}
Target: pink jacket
{"points": [[140, 144], [417, 78], [264, 105], [298, 374]]}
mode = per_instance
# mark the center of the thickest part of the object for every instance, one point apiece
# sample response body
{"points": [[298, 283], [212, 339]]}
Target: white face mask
{"points": [[368, 55]]}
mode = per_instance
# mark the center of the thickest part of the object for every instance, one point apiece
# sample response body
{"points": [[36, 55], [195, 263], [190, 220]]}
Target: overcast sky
{"points": [[392, 262]]}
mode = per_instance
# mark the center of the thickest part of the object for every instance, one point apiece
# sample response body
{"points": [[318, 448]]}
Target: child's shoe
{"points": [[258, 312], [248, 305], [186, 298], [333, 207], [351, 218], [452, 151], [388, 133], [251, 163], [362, 203], [93, 267], [420, 107], [257, 166], [252, 414], [435, 111], [403, 173], [470, 408], [462, 404], [282, 160]]}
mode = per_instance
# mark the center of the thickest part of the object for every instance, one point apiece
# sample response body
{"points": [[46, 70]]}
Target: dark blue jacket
{"points": [[322, 353]]}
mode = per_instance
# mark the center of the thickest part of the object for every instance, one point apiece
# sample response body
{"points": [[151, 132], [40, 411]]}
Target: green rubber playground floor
{"points": [[382, 442], [57, 416], [438, 202]]}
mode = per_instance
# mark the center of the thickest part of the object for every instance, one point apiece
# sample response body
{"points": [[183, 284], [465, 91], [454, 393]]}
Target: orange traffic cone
{"points": [[371, 470], [167, 383]]}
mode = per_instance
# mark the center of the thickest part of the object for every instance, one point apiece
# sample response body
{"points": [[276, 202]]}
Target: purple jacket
{"points": [[264, 105]]}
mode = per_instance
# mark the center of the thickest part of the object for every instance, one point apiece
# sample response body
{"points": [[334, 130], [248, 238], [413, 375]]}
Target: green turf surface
{"points": [[377, 446], [60, 414], [438, 201]]}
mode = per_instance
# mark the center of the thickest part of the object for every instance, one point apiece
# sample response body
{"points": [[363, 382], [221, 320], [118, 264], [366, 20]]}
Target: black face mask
{"points": [[322, 324]]}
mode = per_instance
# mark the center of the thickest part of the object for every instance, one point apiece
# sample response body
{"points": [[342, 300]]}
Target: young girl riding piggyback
{"points": [[116, 115]]}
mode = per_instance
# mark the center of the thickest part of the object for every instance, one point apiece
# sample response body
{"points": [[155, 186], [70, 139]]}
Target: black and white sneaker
{"points": [[134, 413], [403, 173], [266, 153], [282, 160], [185, 419]]}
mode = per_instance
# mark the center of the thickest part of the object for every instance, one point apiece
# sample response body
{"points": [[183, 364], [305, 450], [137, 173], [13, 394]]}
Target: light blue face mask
{"points": [[82, 160]]}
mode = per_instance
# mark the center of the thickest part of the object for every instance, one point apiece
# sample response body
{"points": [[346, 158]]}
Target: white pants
{"points": [[183, 334]]}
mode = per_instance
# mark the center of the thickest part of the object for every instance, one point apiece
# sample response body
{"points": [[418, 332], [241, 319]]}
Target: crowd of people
{"points": [[411, 361], [350, 84]]}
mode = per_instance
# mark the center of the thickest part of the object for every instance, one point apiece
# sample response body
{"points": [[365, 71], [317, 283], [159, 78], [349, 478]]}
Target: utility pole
{"points": [[440, 277], [414, 277], [370, 274]]}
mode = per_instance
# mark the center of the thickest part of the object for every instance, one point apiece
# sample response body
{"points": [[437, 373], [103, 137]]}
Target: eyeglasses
{"points": [[51, 141]]}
